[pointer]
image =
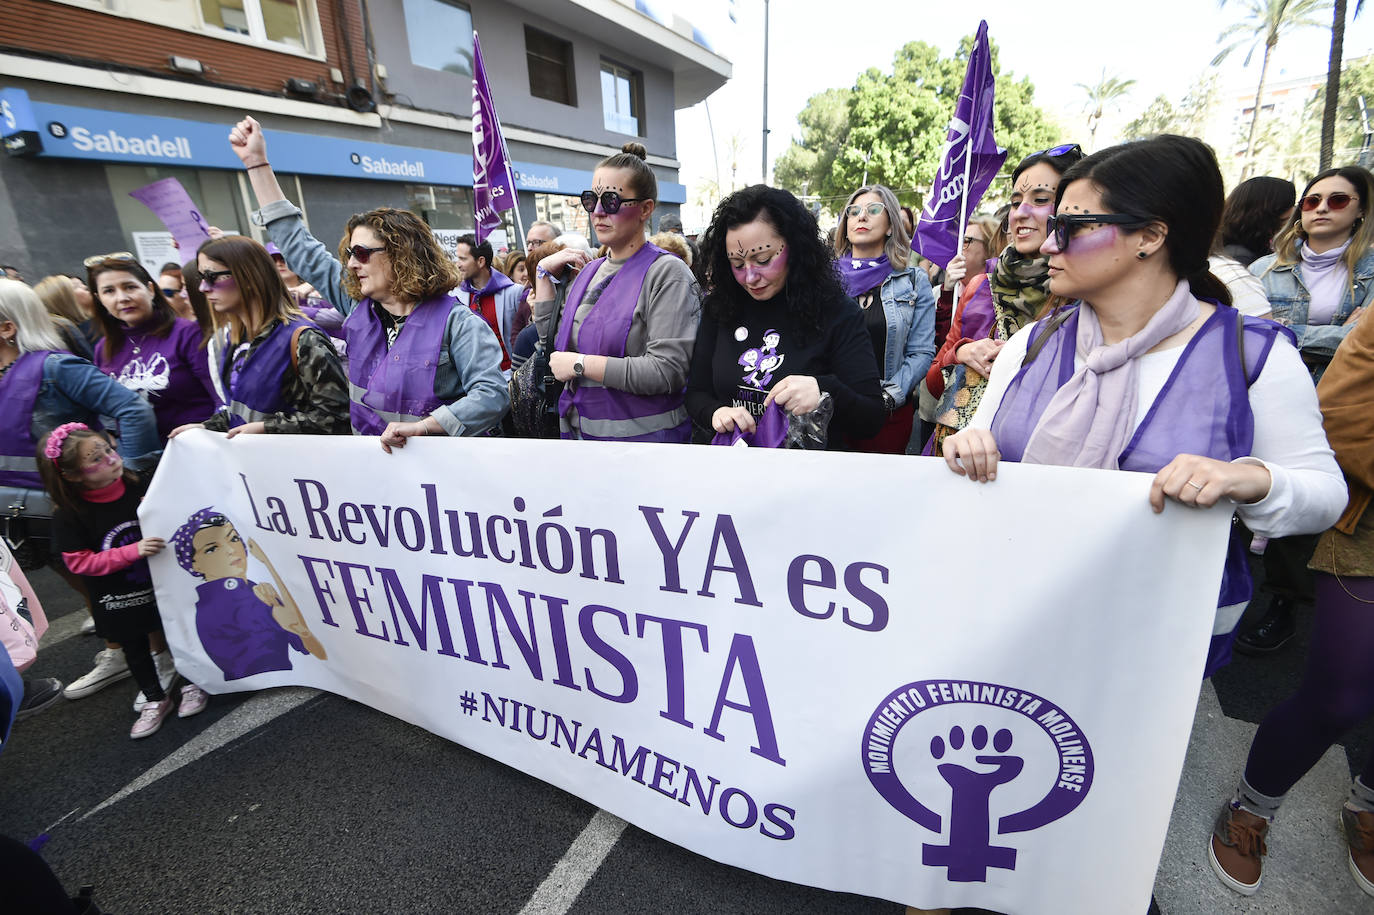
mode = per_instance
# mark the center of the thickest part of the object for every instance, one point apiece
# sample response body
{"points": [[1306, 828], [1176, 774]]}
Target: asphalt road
{"points": [[293, 801]]}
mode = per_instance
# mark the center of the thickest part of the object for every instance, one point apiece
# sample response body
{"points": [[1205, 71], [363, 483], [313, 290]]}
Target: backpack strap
{"points": [[1052, 324], [295, 354]]}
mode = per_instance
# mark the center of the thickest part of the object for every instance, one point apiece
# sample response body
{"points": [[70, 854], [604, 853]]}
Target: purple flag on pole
{"points": [[493, 185], [970, 161]]}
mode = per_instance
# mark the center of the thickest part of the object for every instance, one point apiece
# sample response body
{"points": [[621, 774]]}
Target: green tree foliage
{"points": [[893, 125], [1101, 96], [1159, 117], [1356, 82]]}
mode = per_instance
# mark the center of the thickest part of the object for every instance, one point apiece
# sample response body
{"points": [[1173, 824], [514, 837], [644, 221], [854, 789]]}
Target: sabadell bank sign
{"points": [[112, 141]]}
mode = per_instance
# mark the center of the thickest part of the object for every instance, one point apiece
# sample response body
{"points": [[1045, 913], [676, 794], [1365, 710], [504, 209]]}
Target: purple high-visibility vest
{"points": [[18, 447], [255, 390], [1203, 408], [395, 385], [602, 412]]}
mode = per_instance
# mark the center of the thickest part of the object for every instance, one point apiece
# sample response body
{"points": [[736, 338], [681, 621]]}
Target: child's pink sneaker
{"points": [[193, 701], [151, 718]]}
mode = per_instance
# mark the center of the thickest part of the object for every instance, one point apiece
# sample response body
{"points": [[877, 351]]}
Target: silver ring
{"points": [[1198, 485]]}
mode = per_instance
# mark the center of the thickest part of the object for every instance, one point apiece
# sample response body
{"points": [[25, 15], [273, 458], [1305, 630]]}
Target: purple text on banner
{"points": [[493, 185], [970, 162], [170, 203]]}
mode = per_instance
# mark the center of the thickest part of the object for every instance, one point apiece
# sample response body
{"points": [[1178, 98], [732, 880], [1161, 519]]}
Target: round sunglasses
{"points": [[610, 201], [853, 211], [1337, 201]]}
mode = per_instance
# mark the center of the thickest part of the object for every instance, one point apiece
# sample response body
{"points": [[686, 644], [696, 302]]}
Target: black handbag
{"points": [[534, 391], [26, 525]]}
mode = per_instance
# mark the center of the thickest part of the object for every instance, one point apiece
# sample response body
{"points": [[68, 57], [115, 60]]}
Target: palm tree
{"points": [[1333, 81], [1106, 91], [1264, 23]]}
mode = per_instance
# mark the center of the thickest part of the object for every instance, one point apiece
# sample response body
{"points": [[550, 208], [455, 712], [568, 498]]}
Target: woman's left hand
{"points": [[395, 434], [561, 364], [1203, 482], [797, 394], [257, 428]]}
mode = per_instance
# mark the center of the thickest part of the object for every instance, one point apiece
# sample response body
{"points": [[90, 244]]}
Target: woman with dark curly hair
{"points": [[777, 326], [419, 363]]}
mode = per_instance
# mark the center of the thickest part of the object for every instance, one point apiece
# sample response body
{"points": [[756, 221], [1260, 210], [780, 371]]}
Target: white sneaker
{"points": [[110, 667], [166, 675]]}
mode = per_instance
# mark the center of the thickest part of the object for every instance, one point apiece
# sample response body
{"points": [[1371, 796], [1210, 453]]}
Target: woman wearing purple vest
{"points": [[778, 326], [147, 348], [419, 362], [1144, 375], [279, 371], [623, 341]]}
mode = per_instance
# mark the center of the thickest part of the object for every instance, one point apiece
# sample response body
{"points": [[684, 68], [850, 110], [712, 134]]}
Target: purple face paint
{"points": [[109, 460], [761, 281], [1092, 238]]}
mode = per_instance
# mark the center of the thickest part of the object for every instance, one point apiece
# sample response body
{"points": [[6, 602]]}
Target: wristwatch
{"points": [[889, 402], [579, 369]]}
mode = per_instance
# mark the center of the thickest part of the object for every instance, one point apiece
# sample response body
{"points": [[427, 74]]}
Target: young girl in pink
{"points": [[95, 527]]}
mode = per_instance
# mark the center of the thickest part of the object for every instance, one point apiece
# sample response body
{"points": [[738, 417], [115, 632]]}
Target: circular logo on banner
{"points": [[355, 159], [57, 129], [970, 761]]}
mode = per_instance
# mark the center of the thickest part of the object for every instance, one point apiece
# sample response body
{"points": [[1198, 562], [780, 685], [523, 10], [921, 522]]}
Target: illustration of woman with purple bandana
{"points": [[245, 628]]}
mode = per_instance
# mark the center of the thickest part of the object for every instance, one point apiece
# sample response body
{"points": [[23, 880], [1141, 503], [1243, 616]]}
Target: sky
{"points": [[812, 49]]}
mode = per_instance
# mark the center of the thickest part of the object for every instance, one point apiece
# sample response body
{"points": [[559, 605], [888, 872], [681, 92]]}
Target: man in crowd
{"points": [[489, 293], [540, 233]]}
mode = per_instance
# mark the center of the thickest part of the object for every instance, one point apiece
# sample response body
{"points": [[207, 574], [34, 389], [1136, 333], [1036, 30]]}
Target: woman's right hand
{"points": [[955, 271], [248, 143], [979, 355], [151, 546], [557, 263], [973, 453], [183, 428], [727, 419]]}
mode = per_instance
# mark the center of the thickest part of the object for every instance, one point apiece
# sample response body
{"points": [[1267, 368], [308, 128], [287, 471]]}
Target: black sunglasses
{"points": [[1337, 201], [610, 201], [1060, 225], [361, 253], [208, 278]]}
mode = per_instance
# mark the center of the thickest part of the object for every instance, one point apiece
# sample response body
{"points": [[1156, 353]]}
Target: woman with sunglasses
{"points": [[622, 343], [147, 348], [419, 362], [873, 250], [1013, 293], [279, 371], [1114, 381], [1320, 277], [778, 327]]}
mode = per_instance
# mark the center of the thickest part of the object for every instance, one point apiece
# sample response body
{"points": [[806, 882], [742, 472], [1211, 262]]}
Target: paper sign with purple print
{"points": [[170, 203]]}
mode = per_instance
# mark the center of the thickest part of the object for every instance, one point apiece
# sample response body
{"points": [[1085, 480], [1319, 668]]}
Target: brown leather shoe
{"points": [[1359, 835], [1237, 849]]}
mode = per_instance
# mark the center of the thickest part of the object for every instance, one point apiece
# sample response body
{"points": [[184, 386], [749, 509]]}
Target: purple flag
{"points": [[970, 161], [493, 185]]}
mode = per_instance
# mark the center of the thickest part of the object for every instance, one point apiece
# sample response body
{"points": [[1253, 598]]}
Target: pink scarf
{"points": [[1089, 420]]}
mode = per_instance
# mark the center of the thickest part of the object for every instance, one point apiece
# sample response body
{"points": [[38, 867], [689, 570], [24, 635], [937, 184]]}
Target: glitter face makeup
{"points": [[758, 259], [1099, 256], [1032, 202], [617, 230], [218, 285], [101, 465]]}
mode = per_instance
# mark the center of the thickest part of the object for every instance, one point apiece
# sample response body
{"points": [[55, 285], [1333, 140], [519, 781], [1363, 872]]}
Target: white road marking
{"points": [[251, 715], [575, 869], [63, 628]]}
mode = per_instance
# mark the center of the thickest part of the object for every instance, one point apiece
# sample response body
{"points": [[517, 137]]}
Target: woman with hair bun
{"points": [[1114, 380], [279, 372], [622, 343], [778, 327], [419, 362], [873, 252]]}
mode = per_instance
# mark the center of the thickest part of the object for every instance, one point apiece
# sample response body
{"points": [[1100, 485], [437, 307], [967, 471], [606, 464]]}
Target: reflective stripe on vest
{"points": [[628, 428], [17, 463], [247, 413], [357, 392]]}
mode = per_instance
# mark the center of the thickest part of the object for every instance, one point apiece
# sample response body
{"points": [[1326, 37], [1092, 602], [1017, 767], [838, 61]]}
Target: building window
{"points": [[622, 98], [274, 21], [440, 35], [550, 62]]}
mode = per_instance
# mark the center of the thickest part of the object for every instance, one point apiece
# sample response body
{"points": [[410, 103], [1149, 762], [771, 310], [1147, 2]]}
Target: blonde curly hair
{"points": [[419, 265]]}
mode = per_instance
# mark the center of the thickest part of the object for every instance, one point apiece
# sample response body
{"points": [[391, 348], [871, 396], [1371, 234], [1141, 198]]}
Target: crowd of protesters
{"points": [[1119, 313]]}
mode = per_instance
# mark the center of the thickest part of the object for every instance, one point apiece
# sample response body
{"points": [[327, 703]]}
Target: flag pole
{"points": [[963, 213]]}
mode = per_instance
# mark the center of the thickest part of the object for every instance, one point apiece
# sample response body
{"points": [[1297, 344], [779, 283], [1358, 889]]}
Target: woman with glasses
{"points": [[1320, 277], [1014, 293], [622, 340], [419, 362], [147, 348], [279, 371], [873, 252], [778, 327], [1115, 380]]}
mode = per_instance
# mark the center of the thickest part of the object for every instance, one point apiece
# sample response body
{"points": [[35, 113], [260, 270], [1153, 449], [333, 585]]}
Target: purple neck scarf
{"points": [[494, 285], [860, 274], [1089, 420]]}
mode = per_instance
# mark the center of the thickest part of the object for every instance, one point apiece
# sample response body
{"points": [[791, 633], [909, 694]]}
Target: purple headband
{"points": [[182, 539]]}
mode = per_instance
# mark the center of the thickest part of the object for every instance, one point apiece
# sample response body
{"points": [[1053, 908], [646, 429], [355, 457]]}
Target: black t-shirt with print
{"points": [[123, 600], [738, 363]]}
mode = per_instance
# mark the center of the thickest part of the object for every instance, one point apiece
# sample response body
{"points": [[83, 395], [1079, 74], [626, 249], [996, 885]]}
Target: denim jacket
{"points": [[1289, 298], [468, 379], [909, 307], [74, 390]]}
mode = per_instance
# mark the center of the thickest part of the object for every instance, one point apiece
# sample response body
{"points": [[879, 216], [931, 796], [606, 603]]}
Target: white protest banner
{"points": [[857, 672]]}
